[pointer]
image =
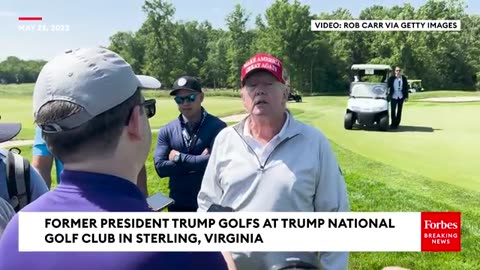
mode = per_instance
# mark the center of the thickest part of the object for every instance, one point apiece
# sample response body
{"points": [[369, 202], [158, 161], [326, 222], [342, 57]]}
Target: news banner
{"points": [[241, 231]]}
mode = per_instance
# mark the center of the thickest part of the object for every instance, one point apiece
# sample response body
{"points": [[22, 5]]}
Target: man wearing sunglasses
{"points": [[398, 94], [184, 145], [91, 111]]}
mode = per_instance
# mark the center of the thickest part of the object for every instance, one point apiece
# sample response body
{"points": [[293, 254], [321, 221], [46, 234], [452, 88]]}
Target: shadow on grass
{"points": [[415, 129], [357, 127], [399, 129], [293, 101], [327, 94]]}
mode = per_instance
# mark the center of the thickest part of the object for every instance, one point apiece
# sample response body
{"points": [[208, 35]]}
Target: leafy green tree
{"points": [[239, 44], [162, 46]]}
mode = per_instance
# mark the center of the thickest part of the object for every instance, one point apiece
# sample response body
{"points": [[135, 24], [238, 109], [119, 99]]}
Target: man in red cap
{"points": [[272, 162]]}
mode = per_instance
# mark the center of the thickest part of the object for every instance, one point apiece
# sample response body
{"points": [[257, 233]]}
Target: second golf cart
{"points": [[367, 102], [415, 86], [293, 95]]}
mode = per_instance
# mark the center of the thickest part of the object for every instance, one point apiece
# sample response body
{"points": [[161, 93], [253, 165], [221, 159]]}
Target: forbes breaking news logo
{"points": [[441, 231]]}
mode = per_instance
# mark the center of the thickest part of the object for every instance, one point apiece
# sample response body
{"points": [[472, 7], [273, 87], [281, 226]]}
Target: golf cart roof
{"points": [[371, 66]]}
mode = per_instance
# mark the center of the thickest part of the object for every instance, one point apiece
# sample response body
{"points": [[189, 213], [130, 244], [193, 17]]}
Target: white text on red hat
{"points": [[262, 59]]}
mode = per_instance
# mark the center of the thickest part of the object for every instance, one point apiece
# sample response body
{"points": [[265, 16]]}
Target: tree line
{"points": [[15, 70], [315, 61]]}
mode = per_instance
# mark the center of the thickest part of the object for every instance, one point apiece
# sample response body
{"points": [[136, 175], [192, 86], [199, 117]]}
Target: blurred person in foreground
{"points": [[43, 161], [184, 145], [272, 162], [20, 184], [89, 106]]}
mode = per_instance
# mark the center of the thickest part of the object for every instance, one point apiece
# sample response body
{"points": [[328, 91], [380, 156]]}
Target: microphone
{"points": [[219, 208]]}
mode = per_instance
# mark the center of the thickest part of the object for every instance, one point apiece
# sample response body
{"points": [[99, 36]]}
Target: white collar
{"points": [[247, 133]]}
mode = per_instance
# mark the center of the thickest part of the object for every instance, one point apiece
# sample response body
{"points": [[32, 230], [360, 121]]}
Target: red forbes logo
{"points": [[441, 231], [430, 225]]}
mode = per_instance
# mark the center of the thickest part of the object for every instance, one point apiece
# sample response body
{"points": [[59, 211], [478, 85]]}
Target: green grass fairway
{"points": [[444, 93], [431, 165], [12, 90], [18, 109], [439, 141], [376, 187]]}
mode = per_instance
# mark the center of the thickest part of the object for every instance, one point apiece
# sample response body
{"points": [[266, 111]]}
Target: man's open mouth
{"points": [[261, 102]]}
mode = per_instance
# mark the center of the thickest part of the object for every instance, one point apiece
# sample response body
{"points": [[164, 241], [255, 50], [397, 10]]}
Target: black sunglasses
{"points": [[181, 100], [149, 108]]}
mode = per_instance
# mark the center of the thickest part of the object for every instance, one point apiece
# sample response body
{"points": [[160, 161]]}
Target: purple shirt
{"points": [[92, 192]]}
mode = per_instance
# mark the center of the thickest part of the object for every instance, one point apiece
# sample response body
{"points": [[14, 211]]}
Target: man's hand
{"points": [[206, 151], [172, 154]]}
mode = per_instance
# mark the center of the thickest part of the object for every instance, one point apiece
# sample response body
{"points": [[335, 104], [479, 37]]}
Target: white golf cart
{"points": [[367, 102]]}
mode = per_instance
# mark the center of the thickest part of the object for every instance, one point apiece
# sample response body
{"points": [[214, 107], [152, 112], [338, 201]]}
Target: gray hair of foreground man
{"points": [[102, 132]]}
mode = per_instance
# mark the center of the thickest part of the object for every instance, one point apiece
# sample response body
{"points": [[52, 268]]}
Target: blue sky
{"points": [[92, 22]]}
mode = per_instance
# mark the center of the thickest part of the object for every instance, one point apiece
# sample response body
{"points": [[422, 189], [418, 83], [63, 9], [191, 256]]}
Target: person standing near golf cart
{"points": [[184, 145], [398, 94], [272, 162]]}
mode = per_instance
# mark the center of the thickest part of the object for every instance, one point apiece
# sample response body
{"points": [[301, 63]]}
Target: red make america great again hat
{"points": [[265, 62]]}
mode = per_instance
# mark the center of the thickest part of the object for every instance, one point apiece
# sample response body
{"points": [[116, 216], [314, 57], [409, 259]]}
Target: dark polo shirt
{"points": [[92, 192]]}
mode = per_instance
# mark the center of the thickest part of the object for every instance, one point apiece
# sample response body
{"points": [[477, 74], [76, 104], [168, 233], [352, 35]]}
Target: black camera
{"points": [[220, 208], [293, 264]]}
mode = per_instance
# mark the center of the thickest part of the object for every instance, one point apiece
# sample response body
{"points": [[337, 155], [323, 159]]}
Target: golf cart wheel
{"points": [[348, 121], [383, 123]]}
